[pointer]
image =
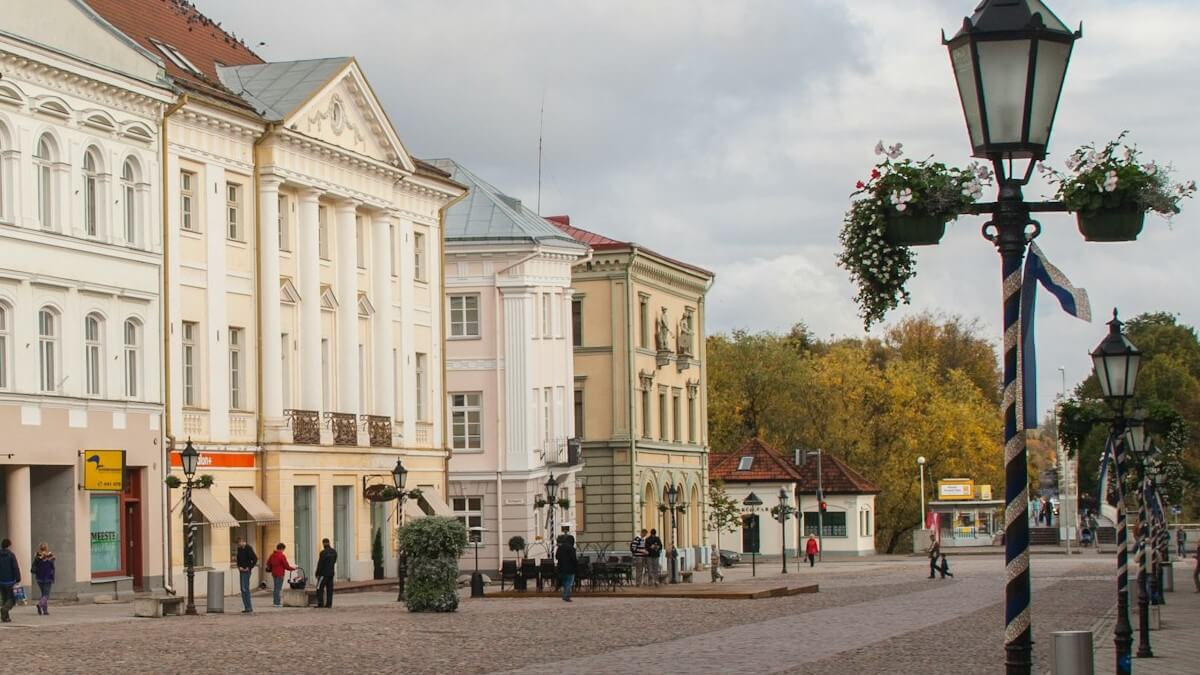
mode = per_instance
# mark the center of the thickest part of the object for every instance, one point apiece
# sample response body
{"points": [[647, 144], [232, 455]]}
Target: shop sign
{"points": [[104, 470], [956, 489], [218, 460]]}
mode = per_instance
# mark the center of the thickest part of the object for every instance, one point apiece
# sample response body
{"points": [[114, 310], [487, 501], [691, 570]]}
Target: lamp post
{"points": [[1116, 362], [476, 534], [1136, 432], [552, 503], [673, 505], [820, 503], [190, 459], [752, 502], [399, 477], [783, 518], [921, 469]]}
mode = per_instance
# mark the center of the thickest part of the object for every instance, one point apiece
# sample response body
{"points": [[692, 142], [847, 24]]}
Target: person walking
{"points": [[326, 565], [935, 552], [654, 547], [944, 567], [10, 577], [278, 566], [567, 564], [43, 574], [638, 548], [247, 559], [810, 550], [1181, 541], [1195, 573]]}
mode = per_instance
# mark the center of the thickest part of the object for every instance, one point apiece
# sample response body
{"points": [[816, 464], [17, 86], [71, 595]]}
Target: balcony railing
{"points": [[424, 433], [306, 426], [344, 427], [379, 429], [561, 451]]}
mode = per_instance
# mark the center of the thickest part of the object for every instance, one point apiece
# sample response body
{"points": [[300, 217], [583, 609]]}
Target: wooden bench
{"points": [[157, 607]]}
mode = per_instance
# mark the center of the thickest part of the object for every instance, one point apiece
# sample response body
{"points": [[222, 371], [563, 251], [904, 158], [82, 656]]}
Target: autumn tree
{"points": [[724, 514]]}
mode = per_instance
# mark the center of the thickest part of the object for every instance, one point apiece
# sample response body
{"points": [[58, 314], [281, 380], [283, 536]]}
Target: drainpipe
{"points": [[165, 304], [260, 427], [500, 545], [632, 375], [441, 302]]}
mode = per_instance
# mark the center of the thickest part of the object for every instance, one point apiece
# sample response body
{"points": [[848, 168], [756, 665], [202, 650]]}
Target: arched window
{"points": [[129, 199], [93, 354], [43, 161], [89, 192], [133, 358], [48, 349], [5, 339]]}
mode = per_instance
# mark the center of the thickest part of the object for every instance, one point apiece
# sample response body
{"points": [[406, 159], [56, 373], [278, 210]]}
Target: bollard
{"points": [[1168, 577], [216, 592], [1155, 617], [1072, 653]]}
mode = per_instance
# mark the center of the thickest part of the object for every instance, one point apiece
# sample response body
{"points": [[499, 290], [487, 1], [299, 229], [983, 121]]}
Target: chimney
{"points": [[798, 457]]}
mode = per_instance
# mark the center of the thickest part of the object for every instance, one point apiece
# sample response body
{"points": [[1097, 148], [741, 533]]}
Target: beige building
{"points": [[640, 382], [303, 287]]}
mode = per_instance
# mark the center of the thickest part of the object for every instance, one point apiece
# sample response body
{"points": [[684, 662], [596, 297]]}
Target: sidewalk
{"points": [[1176, 646]]}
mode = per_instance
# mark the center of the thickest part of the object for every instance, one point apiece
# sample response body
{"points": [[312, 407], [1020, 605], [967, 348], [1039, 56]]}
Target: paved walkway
{"points": [[1176, 646]]}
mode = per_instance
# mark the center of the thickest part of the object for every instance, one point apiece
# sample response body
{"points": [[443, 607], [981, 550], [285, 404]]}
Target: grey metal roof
{"points": [[487, 214], [277, 89]]}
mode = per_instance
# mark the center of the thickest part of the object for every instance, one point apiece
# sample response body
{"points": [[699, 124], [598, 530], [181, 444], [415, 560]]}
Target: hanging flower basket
{"points": [[1111, 224], [914, 230]]}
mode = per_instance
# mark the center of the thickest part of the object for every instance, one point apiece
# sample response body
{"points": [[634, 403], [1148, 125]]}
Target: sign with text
{"points": [[956, 488], [218, 460], [104, 470]]}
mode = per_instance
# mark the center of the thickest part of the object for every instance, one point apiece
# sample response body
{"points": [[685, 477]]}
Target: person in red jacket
{"points": [[278, 566], [810, 550]]}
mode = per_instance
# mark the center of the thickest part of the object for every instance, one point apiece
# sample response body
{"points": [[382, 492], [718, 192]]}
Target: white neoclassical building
{"points": [[80, 256]]}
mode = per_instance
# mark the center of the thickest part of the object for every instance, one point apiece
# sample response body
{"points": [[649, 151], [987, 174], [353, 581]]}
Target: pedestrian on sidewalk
{"points": [[811, 548], [278, 566], [567, 564], [1195, 573], [654, 547], [247, 560], [717, 575], [10, 578], [935, 552], [326, 565], [1181, 541], [638, 548], [43, 573], [944, 567]]}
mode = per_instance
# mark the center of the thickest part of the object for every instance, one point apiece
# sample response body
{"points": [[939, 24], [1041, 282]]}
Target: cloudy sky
{"points": [[730, 134]]}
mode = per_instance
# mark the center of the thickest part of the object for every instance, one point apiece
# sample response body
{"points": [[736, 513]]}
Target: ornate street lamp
{"points": [[672, 503], [1116, 362], [190, 459], [783, 518], [399, 478], [1140, 447], [552, 504], [752, 501]]}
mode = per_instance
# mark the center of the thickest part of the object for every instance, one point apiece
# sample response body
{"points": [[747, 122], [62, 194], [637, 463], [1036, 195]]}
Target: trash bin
{"points": [[1072, 653], [1168, 570], [216, 592]]}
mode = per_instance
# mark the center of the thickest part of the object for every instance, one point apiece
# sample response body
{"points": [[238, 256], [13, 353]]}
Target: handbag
{"points": [[19, 594]]}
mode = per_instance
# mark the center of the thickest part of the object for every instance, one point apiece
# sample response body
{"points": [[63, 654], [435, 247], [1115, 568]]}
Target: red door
{"points": [[133, 528]]}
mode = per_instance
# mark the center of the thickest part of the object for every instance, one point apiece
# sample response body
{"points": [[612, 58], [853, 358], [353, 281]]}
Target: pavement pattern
{"points": [[876, 615]]}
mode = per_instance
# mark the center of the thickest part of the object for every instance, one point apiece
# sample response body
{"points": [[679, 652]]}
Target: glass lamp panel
{"points": [[1004, 75], [1132, 364], [1100, 365], [968, 90], [1048, 76], [1048, 18], [1137, 438], [1115, 369]]}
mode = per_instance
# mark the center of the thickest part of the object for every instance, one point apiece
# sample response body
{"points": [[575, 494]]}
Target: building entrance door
{"points": [[302, 516], [343, 529], [132, 528]]}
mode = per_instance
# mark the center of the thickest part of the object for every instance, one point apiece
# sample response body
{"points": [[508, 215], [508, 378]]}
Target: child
{"points": [[944, 567]]}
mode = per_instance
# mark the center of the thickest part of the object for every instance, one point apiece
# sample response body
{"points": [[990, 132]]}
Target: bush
{"points": [[432, 546], [377, 553]]}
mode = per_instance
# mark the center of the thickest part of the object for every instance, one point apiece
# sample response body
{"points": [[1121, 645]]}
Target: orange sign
{"points": [[219, 460]]}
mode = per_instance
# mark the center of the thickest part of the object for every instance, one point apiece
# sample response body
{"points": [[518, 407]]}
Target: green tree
{"points": [[724, 515]]}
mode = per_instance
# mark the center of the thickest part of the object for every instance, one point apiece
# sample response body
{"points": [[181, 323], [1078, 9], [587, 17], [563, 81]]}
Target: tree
{"points": [[724, 515]]}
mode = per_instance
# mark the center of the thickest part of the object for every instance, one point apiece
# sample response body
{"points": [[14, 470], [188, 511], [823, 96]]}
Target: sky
{"points": [[730, 135]]}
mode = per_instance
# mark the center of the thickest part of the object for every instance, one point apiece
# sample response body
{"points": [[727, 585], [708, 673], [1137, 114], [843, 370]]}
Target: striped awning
{"points": [[208, 505], [257, 508]]}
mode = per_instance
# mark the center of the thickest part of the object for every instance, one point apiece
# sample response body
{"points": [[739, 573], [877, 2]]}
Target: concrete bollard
{"points": [[1155, 617], [1072, 653], [216, 592], [1168, 570]]}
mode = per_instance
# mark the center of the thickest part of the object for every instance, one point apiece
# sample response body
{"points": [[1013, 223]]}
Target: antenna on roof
{"points": [[541, 120]]}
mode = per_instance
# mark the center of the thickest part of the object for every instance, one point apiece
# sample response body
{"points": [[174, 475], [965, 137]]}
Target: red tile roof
{"points": [[771, 466], [179, 24], [601, 242]]}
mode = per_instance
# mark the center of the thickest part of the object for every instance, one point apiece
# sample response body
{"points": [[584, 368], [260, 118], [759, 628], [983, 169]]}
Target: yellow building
{"points": [[640, 404]]}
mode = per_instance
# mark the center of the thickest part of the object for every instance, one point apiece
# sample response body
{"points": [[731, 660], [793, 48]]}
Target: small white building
{"points": [[847, 527]]}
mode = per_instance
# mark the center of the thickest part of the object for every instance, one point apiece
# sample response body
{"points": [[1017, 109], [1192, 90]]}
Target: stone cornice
{"points": [[669, 275], [134, 97], [200, 115], [327, 151]]}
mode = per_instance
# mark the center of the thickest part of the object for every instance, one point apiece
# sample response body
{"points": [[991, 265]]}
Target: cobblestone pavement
{"points": [[876, 615], [1176, 645]]}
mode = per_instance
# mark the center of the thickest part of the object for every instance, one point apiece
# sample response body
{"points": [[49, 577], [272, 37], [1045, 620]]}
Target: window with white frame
{"points": [[691, 415], [418, 256], [468, 510], [190, 392], [464, 316], [285, 234], [93, 355], [419, 370], [326, 376], [5, 339], [48, 349], [547, 315], [187, 201], [90, 192], [548, 417], [466, 426], [323, 232], [129, 201], [676, 417], [133, 358], [363, 378], [233, 211], [236, 370], [360, 242], [577, 322], [578, 409], [392, 248], [285, 368], [560, 413], [644, 321], [43, 162], [865, 522], [662, 414], [646, 413]]}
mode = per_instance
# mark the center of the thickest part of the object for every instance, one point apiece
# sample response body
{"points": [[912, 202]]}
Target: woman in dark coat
{"points": [[43, 574]]}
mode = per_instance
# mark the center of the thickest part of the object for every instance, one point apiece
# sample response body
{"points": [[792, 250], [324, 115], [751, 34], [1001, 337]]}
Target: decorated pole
{"points": [[1143, 580], [1123, 632], [190, 555]]}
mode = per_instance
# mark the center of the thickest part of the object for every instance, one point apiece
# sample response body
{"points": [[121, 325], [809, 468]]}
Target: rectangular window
{"points": [[362, 379], [832, 522], [189, 363], [392, 248], [662, 414], [93, 361], [676, 418], [233, 211], [323, 232], [644, 321], [419, 369], [4, 331], [645, 413], [578, 410], [691, 418], [187, 200], [547, 318], [236, 367], [396, 409], [466, 429], [560, 412], [580, 503], [105, 518], [326, 403], [464, 316], [418, 256], [285, 368], [547, 421], [468, 510], [577, 322], [360, 243], [285, 233]]}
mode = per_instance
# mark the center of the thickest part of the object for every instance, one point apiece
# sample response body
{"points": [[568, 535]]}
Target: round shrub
{"points": [[432, 546]]}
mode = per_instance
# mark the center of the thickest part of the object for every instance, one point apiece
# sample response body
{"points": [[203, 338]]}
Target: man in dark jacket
{"points": [[247, 559], [10, 577], [654, 547], [567, 565], [326, 564]]}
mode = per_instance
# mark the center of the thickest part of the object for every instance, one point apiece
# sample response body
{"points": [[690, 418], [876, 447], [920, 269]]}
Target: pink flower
{"points": [[875, 174], [860, 185]]}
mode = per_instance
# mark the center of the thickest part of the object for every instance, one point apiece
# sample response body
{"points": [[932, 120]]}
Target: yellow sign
{"points": [[956, 488], [104, 470], [985, 492]]}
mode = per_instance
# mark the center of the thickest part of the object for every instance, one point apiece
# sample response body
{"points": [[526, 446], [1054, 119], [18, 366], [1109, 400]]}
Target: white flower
{"points": [[879, 148], [895, 151], [1129, 154], [982, 172], [901, 207], [1110, 181], [973, 189], [1072, 162], [901, 198], [1150, 168]]}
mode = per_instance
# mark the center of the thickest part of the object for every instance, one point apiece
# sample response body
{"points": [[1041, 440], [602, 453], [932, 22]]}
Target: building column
{"points": [[520, 428], [217, 336], [347, 312], [408, 377], [309, 271], [382, 254], [18, 506], [270, 359]]}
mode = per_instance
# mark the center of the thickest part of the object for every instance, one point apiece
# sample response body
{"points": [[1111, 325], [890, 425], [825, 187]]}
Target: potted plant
{"points": [[1109, 189], [517, 545], [377, 552], [901, 204], [564, 503]]}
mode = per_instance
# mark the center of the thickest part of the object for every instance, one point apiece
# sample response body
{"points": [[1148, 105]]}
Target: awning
{"points": [[214, 513], [412, 510], [257, 508], [435, 503]]}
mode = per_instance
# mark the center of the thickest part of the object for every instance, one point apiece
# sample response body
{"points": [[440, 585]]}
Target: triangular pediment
{"points": [[328, 299], [288, 292], [365, 308]]}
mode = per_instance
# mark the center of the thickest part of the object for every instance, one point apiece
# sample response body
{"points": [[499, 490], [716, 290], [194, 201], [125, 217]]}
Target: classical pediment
{"points": [[288, 292]]}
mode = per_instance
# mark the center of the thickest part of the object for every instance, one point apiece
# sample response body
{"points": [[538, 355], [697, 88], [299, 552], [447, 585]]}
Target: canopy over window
{"points": [[257, 508], [210, 506]]}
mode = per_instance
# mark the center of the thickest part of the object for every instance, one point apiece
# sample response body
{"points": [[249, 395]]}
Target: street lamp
{"points": [[476, 535], [1140, 448], [190, 459], [673, 505], [921, 469], [551, 502], [1118, 359], [783, 518], [399, 477], [752, 502]]}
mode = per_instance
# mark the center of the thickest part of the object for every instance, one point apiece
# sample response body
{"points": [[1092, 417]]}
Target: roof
{"points": [[178, 24], [601, 243], [279, 88], [487, 214], [769, 465]]}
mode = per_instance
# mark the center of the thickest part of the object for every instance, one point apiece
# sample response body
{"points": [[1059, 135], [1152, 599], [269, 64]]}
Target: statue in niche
{"points": [[685, 335], [662, 339]]}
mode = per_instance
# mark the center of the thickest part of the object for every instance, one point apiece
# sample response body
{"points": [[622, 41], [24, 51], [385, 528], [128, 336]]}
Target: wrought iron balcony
{"points": [[306, 426], [344, 427], [379, 428]]}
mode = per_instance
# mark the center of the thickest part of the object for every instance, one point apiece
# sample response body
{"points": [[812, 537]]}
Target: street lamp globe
{"points": [[783, 497], [1135, 436], [921, 460], [551, 490], [190, 459], [399, 474], [672, 496], [1010, 60], [1116, 361]]}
